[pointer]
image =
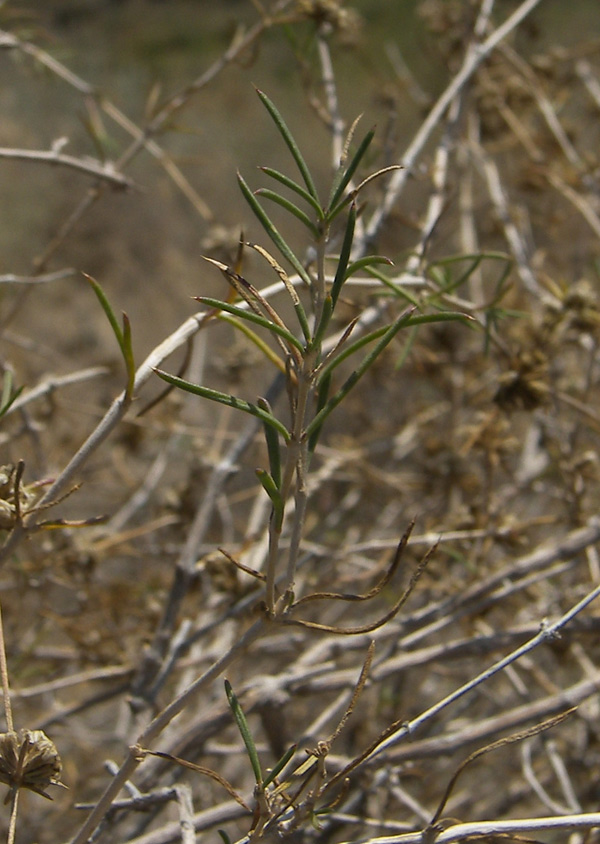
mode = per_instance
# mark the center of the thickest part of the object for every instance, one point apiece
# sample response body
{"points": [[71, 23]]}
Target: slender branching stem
{"points": [[12, 824], [158, 724], [4, 673]]}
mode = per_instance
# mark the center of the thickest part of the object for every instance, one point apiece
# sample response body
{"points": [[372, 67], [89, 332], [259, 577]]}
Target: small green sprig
{"points": [[123, 334], [297, 343]]}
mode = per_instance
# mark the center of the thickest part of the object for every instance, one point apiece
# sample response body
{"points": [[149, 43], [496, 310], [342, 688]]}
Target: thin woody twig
{"points": [[471, 63], [142, 137], [43, 278], [158, 724], [51, 384], [480, 829], [547, 633], [10, 727], [105, 172]]}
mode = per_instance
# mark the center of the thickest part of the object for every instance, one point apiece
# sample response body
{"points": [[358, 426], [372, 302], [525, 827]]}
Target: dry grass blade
{"points": [[360, 684], [376, 589], [275, 265], [368, 628], [200, 769], [503, 742], [246, 569]]}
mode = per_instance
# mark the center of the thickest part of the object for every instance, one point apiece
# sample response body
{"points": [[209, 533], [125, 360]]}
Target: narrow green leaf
{"points": [[272, 440], [454, 284], [8, 396], [303, 321], [290, 142], [106, 307], [260, 344], [396, 288], [289, 206], [442, 316], [272, 231], [448, 283], [123, 335], [411, 319], [128, 356], [358, 373], [7, 385], [367, 261], [270, 487], [344, 175], [409, 343], [469, 256], [340, 275], [227, 399], [279, 766], [242, 725], [294, 186], [354, 347], [250, 316], [224, 837]]}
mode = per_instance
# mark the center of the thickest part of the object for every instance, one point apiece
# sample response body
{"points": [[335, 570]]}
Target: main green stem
{"points": [[297, 454]]}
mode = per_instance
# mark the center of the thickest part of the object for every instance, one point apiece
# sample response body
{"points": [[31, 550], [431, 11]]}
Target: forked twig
{"points": [[470, 65], [199, 769], [376, 589], [104, 172], [375, 625], [547, 633], [503, 742]]}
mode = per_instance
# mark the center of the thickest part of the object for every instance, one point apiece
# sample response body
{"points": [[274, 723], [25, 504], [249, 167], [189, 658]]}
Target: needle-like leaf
{"points": [[272, 231], [272, 490], [249, 316], [344, 176], [123, 335], [340, 275], [358, 373], [290, 142], [227, 399], [294, 186], [272, 440], [279, 766], [242, 725], [291, 207]]}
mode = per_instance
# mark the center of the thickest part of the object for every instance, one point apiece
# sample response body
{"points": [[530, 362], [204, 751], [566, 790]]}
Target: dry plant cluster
{"points": [[321, 564]]}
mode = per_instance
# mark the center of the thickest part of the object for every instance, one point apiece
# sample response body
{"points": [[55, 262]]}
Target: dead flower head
{"points": [[29, 759], [347, 22], [15, 497], [524, 386]]}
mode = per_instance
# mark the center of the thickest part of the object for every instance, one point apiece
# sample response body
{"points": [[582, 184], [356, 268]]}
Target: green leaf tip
{"points": [[290, 142], [242, 725]]}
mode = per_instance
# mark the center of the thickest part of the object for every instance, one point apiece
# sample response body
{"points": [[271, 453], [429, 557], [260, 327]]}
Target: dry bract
{"points": [[346, 21], [28, 759], [14, 497]]}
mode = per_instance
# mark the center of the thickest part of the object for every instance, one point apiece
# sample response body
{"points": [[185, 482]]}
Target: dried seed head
{"points": [[524, 386], [15, 497], [331, 12], [29, 759]]}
